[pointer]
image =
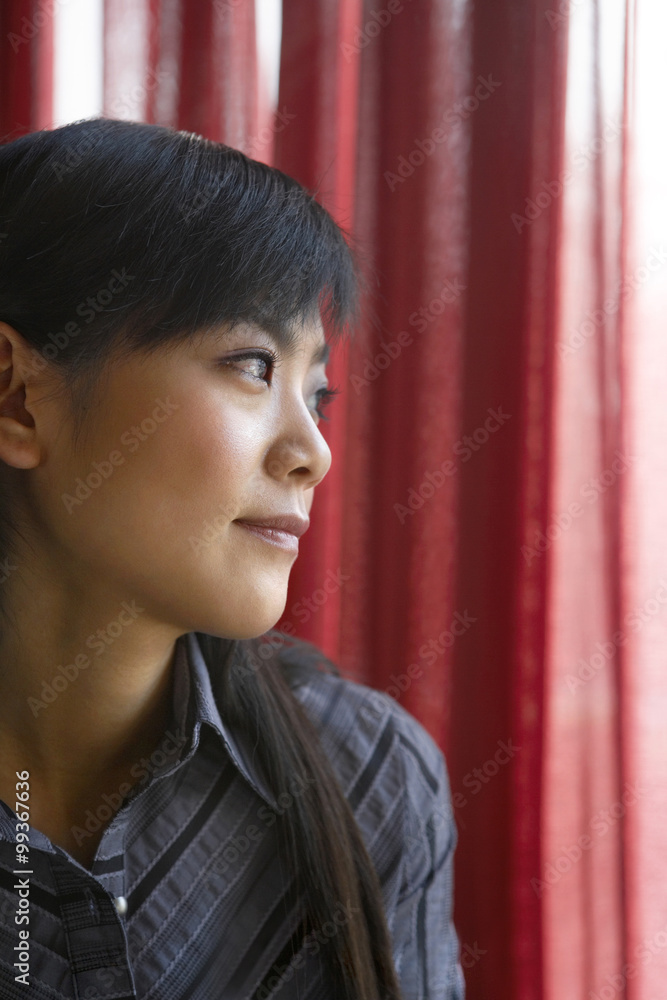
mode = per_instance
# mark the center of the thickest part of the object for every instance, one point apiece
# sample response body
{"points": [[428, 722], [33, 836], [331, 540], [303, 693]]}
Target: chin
{"points": [[250, 623], [250, 632]]}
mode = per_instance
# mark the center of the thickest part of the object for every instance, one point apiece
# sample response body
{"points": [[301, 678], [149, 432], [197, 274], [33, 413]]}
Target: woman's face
{"points": [[177, 446]]}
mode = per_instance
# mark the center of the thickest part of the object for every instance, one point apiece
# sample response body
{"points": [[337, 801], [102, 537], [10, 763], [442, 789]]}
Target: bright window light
{"points": [[269, 18], [77, 84], [78, 58]]}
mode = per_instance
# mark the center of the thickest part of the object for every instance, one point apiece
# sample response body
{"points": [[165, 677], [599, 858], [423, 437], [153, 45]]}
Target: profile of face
{"points": [[179, 446]]}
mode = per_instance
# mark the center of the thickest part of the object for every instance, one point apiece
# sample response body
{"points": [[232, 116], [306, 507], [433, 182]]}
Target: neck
{"points": [[75, 720]]}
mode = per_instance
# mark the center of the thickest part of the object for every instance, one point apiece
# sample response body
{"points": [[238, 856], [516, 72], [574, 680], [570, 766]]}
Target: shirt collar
{"points": [[195, 704]]}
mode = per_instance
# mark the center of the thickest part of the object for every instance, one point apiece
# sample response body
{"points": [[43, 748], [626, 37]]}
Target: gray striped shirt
{"points": [[187, 898]]}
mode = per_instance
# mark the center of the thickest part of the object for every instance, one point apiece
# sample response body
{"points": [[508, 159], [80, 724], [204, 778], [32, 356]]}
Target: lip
{"points": [[282, 530], [293, 524]]}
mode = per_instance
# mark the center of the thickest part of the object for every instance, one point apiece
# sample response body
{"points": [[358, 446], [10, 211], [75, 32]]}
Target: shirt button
{"points": [[121, 905]]}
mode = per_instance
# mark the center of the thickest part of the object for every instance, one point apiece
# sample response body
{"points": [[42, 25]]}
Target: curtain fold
{"points": [[509, 332], [26, 67], [579, 883], [191, 66], [642, 692], [318, 95], [489, 545]]}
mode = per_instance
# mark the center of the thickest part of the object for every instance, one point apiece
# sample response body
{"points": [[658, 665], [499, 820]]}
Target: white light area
{"points": [[78, 56], [77, 83], [579, 22], [651, 136], [268, 19], [612, 42]]}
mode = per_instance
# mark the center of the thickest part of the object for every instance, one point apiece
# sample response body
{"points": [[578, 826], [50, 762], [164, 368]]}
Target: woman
{"points": [[193, 805]]}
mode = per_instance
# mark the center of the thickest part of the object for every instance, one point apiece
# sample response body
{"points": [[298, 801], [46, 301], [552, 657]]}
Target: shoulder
{"points": [[372, 726], [387, 762]]}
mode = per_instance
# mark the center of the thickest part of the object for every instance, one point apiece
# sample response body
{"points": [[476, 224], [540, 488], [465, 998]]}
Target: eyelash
{"points": [[324, 396]]}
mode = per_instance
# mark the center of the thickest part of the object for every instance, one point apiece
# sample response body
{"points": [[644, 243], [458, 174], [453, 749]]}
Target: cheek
{"points": [[202, 469], [146, 480], [154, 523], [197, 465]]}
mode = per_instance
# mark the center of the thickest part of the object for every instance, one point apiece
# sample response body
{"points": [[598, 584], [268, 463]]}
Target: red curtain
{"points": [[26, 67], [189, 65], [446, 459], [489, 545]]}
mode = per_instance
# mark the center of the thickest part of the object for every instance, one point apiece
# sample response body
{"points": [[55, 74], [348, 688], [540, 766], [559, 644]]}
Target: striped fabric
{"points": [[187, 898]]}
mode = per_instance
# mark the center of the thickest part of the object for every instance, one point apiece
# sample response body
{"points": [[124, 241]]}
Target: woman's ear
{"points": [[19, 443]]}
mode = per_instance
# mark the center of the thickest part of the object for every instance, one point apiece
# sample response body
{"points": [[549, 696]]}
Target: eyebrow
{"points": [[287, 345], [321, 354]]}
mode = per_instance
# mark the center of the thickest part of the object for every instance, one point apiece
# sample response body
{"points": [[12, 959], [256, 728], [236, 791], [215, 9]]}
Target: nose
{"points": [[300, 452]]}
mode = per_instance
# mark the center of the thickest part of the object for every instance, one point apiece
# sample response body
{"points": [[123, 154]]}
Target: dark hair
{"points": [[208, 236]]}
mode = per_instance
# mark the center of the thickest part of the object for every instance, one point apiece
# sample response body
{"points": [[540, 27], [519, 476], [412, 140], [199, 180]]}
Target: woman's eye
{"points": [[260, 366], [257, 364], [324, 397]]}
